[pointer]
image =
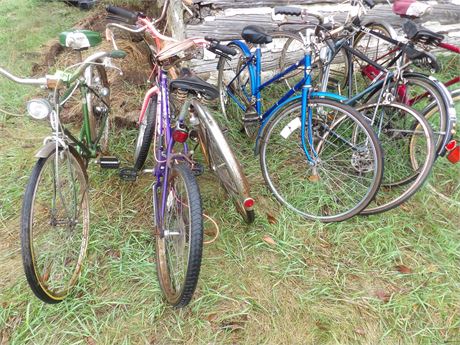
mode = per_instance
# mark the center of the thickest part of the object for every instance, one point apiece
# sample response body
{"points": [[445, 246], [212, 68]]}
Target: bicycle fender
{"points": [[46, 150], [447, 98]]}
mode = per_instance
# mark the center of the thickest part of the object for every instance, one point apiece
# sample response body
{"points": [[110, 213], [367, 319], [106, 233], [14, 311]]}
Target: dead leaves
{"points": [[271, 219], [230, 325], [403, 269], [269, 240], [90, 341], [382, 295]]}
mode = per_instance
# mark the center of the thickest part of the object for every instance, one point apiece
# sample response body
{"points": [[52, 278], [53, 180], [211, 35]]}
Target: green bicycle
{"points": [[55, 210]]}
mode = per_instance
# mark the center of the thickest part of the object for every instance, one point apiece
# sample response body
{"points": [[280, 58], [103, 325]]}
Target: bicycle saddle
{"points": [[255, 34], [420, 34], [195, 84]]}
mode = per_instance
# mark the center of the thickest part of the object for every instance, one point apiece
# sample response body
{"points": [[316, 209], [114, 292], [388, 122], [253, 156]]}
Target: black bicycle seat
{"points": [[255, 34], [195, 84], [421, 34]]}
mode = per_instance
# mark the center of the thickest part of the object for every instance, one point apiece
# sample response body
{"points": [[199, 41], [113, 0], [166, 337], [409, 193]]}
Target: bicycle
{"points": [[170, 130], [404, 174], [334, 166], [426, 39], [55, 209], [375, 40], [214, 145]]}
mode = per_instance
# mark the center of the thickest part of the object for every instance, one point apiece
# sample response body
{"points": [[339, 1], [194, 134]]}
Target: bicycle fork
{"points": [[307, 114]]}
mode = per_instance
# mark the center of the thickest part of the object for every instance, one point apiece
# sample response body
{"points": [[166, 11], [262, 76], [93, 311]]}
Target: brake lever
{"points": [[107, 63]]}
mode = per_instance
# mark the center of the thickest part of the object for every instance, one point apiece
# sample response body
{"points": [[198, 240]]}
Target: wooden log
{"points": [[225, 19]]}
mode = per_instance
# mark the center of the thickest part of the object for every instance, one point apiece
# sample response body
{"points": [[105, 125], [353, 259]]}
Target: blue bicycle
{"points": [[319, 157]]}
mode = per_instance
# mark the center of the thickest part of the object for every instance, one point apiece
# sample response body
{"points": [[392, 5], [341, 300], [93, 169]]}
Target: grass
{"points": [[385, 279]]}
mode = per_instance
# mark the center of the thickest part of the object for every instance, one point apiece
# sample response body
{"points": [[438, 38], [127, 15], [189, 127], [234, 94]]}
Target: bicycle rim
{"points": [[396, 125], [55, 225]]}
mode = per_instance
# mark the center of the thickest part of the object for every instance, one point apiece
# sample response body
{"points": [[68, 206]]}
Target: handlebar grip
{"points": [[370, 3], [225, 49], [117, 54], [292, 11], [124, 13]]}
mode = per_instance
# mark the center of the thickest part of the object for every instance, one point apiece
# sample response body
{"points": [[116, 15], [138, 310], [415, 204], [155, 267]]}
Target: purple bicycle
{"points": [[178, 222]]}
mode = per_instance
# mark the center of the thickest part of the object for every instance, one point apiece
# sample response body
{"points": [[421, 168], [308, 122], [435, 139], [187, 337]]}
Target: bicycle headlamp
{"points": [[39, 109]]}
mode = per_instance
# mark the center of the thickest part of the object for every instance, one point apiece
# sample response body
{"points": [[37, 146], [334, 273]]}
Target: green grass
{"points": [[318, 284]]}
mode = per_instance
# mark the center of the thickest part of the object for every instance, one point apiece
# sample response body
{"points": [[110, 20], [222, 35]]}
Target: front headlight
{"points": [[39, 109]]}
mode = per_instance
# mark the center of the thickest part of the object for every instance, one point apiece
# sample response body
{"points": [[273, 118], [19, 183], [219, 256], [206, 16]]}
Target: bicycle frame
{"points": [[163, 150], [253, 63], [85, 145]]}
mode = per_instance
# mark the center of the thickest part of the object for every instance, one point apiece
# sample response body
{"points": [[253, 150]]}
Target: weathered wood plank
{"points": [[226, 20]]}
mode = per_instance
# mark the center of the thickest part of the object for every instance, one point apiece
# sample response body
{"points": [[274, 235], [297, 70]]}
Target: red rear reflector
{"points": [[454, 155], [248, 203], [180, 136], [451, 145]]}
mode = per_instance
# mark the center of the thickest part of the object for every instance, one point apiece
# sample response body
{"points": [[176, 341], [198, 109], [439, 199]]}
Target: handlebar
{"points": [[52, 80], [296, 11], [131, 16], [369, 3], [219, 49], [25, 81], [290, 11]]}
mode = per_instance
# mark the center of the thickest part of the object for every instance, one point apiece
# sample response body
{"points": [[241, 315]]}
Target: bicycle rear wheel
{"points": [[55, 225], [223, 162], [348, 168], [235, 85], [422, 94], [396, 126], [180, 250], [444, 178]]}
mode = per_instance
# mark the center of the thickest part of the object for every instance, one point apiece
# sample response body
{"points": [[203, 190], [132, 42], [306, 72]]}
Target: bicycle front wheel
{"points": [[407, 142], [179, 251], [55, 225], [345, 174]]}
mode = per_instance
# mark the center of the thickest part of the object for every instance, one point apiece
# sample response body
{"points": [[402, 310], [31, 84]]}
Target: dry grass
{"points": [[312, 284]]}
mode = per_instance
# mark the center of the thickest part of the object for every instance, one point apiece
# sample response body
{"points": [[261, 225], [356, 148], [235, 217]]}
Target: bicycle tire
{"points": [[224, 163], [436, 111], [145, 134], [98, 105], [395, 128], [443, 178], [180, 294], [52, 239], [321, 202]]}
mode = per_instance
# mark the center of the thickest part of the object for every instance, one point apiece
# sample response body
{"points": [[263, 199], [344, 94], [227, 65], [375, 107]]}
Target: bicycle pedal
{"points": [[197, 169], [109, 162], [128, 174], [251, 116]]}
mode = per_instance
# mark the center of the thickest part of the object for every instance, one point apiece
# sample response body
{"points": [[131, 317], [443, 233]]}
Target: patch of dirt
{"points": [[126, 89]]}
